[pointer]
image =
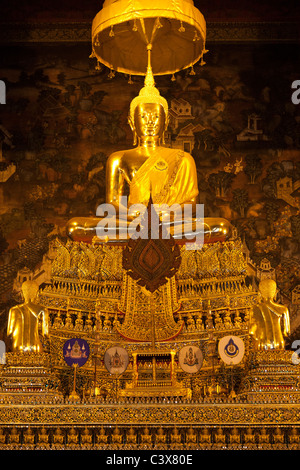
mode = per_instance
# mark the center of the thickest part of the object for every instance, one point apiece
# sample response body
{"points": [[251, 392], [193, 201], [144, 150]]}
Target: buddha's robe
{"points": [[23, 326], [170, 175]]}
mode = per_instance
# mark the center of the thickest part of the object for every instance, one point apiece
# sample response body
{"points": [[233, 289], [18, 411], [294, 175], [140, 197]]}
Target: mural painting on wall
{"points": [[63, 118]]}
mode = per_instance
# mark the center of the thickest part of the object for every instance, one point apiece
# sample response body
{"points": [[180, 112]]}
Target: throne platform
{"points": [[92, 296]]}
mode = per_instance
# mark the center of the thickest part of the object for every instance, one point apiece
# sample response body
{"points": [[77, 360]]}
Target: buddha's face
{"points": [[149, 121]]}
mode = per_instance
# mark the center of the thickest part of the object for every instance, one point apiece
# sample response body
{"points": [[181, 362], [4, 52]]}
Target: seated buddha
{"points": [[149, 172]]}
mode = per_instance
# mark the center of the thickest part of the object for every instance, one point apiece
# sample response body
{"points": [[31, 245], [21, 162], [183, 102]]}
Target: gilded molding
{"points": [[124, 414]]}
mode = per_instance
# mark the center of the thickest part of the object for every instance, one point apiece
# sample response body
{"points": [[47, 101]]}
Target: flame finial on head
{"points": [[149, 93]]}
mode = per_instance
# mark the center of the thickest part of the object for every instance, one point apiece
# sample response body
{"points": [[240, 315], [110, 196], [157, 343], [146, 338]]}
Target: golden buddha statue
{"points": [[86, 438], [278, 436], [205, 437], [150, 171], [234, 436], [249, 437], [176, 437], [14, 436], [131, 437], [28, 437], [190, 438], [220, 437], [72, 437], [146, 437], [43, 437], [294, 438], [2, 437], [102, 437], [58, 438], [160, 437], [117, 437], [266, 318], [263, 436], [23, 321]]}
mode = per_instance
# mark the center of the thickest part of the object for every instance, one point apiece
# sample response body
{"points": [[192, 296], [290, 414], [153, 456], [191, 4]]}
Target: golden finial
{"points": [[149, 93]]}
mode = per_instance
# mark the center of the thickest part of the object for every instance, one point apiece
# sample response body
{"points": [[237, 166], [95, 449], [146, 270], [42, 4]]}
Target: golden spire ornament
{"points": [[149, 93]]}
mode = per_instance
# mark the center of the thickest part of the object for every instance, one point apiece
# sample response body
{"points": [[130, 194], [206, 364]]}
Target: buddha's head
{"points": [[267, 289], [149, 123], [148, 115], [30, 290]]}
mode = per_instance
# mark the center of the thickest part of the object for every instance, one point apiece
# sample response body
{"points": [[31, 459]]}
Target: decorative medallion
{"points": [[231, 349], [151, 261], [76, 351], [116, 360], [190, 359]]}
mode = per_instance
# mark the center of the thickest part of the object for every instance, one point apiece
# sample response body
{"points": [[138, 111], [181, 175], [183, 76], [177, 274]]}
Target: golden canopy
{"points": [[123, 29]]}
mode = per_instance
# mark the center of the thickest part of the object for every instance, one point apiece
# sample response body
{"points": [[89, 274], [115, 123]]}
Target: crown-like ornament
{"points": [[149, 93]]}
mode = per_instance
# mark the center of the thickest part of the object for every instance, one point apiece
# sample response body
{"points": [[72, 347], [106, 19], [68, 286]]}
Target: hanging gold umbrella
{"points": [[123, 29]]}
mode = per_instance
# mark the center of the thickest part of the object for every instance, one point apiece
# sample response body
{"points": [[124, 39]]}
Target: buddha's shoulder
{"points": [[178, 152], [17, 308], [120, 155], [187, 160], [116, 155]]}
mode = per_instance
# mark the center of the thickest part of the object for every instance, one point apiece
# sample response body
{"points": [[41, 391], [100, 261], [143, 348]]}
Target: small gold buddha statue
{"points": [[86, 438], [102, 437], [131, 437], [234, 436], [160, 437], [14, 436], [2, 437], [42, 437], [23, 321], [263, 436], [58, 438], [146, 438], [278, 436], [220, 437], [205, 437], [147, 172], [28, 437], [72, 436], [294, 438], [249, 437], [176, 437], [266, 318], [191, 438], [117, 437]]}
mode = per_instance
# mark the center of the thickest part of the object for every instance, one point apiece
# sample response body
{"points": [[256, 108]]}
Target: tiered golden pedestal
{"points": [[154, 404], [28, 378], [272, 378]]}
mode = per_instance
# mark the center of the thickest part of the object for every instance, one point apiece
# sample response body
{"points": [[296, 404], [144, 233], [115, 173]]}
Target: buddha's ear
{"points": [[134, 138], [131, 123], [167, 121], [132, 127], [166, 127]]}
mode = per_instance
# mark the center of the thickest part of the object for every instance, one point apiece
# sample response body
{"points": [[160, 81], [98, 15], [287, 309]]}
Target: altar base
{"points": [[27, 378], [272, 377]]}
